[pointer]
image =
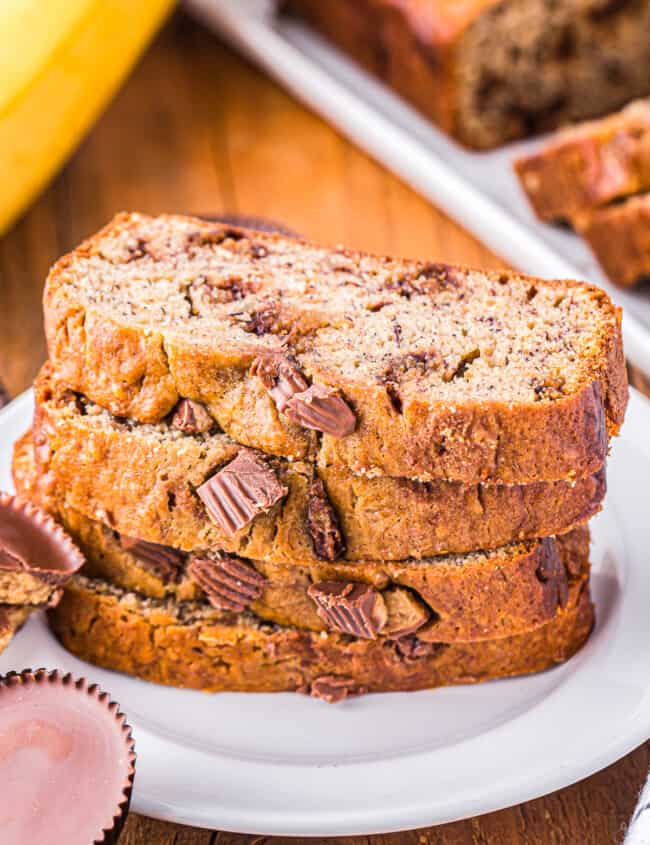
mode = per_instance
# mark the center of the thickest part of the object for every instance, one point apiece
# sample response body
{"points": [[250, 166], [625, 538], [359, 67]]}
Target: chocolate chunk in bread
{"points": [[244, 488], [163, 561], [192, 417], [405, 611], [280, 376], [352, 608], [323, 524], [229, 583], [334, 688], [321, 409]]}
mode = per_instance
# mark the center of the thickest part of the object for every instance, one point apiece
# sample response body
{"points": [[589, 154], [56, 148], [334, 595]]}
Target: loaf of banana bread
{"points": [[451, 598], [589, 166], [165, 486], [488, 71], [370, 364], [190, 644]]}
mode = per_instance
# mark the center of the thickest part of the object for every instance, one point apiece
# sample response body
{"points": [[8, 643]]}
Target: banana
{"points": [[60, 63]]}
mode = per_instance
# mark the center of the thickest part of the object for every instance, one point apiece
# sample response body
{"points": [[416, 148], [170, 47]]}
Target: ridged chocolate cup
{"points": [[29, 677], [55, 544]]}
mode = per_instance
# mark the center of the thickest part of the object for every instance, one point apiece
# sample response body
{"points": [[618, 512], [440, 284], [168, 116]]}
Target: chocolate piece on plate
{"points": [[334, 688]]}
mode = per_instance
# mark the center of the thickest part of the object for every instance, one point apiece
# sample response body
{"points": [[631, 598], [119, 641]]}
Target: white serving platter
{"points": [[289, 765], [479, 190]]}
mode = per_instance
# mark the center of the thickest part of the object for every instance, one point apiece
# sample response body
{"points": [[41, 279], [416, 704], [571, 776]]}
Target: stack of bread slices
{"points": [[294, 468]]}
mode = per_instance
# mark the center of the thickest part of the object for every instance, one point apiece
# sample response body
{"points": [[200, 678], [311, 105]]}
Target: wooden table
{"points": [[196, 129]]}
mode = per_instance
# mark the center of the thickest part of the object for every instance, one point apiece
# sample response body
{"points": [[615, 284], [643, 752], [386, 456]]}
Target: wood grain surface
{"points": [[196, 129]]}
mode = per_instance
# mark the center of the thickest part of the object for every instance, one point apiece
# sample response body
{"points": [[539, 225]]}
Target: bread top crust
{"points": [[153, 309]]}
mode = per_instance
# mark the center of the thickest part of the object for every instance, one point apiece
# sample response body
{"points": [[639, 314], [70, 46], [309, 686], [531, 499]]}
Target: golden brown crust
{"points": [[619, 236], [590, 165], [141, 371], [148, 639], [101, 468]]}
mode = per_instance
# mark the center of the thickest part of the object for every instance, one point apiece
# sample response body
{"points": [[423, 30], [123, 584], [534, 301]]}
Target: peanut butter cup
{"points": [[244, 488], [36, 555], [321, 409], [355, 609], [67, 761], [228, 582]]}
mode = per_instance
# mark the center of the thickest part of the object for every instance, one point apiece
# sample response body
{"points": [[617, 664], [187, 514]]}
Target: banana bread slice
{"points": [[376, 365], [193, 645], [488, 71], [145, 481], [589, 166], [452, 598], [619, 236]]}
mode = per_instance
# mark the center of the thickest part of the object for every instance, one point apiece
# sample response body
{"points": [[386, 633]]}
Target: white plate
{"points": [[290, 765], [479, 190]]}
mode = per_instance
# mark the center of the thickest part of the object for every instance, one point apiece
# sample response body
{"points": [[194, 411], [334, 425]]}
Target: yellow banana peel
{"points": [[60, 63]]}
